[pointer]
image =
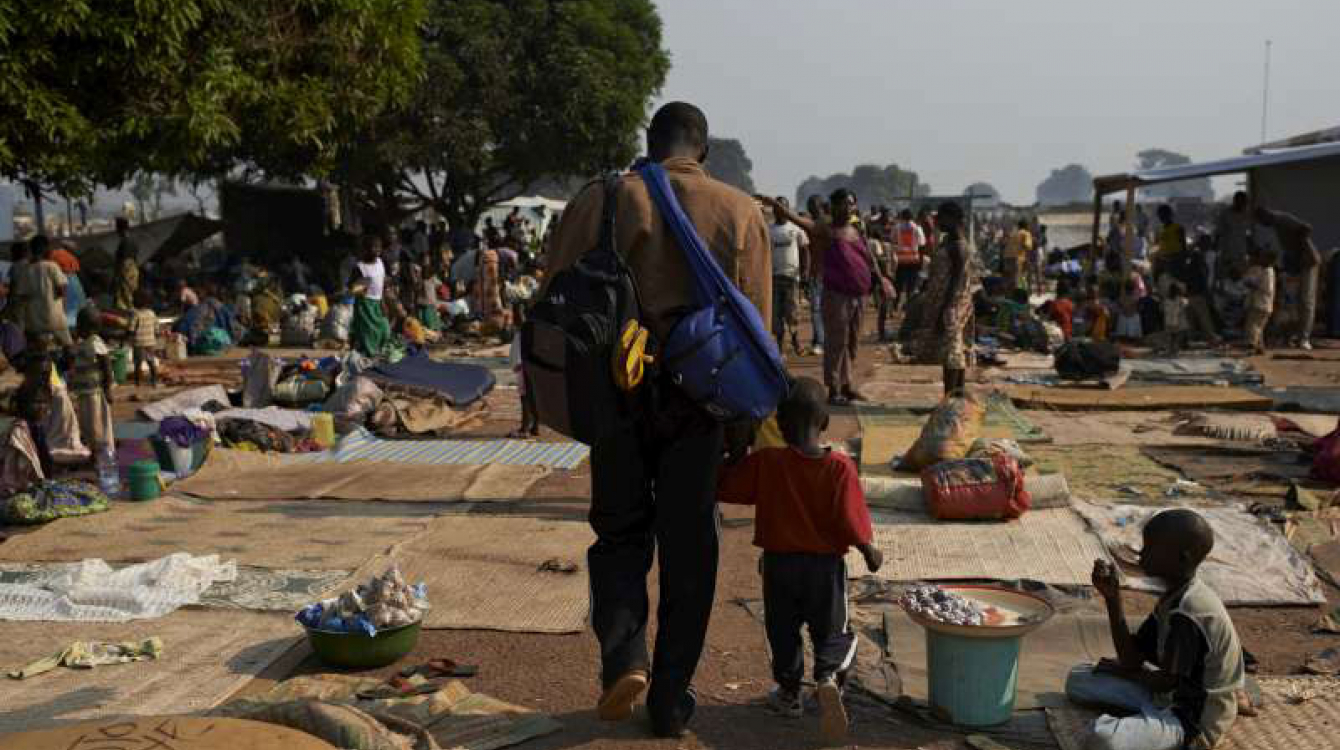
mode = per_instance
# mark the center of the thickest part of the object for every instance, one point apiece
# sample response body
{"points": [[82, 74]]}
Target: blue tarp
{"points": [[460, 384]]}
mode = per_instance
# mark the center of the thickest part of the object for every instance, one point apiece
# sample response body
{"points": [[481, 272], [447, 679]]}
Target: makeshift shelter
{"points": [[157, 240], [1302, 180]]}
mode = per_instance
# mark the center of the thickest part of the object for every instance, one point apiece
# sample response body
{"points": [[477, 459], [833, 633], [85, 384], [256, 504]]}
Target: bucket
{"points": [[120, 365], [144, 480], [973, 681], [323, 429], [973, 671]]}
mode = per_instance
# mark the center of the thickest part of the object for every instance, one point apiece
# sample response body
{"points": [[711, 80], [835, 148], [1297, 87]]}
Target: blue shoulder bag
{"points": [[719, 353]]}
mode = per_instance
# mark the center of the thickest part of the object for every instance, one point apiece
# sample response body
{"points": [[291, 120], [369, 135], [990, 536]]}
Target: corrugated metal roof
{"points": [[1233, 165], [1329, 135]]}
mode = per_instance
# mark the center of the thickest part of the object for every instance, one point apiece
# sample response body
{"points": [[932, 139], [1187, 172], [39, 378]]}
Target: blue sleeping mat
{"points": [[460, 384]]}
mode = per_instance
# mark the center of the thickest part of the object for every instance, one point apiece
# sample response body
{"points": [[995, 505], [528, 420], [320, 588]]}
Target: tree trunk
{"points": [[39, 213]]}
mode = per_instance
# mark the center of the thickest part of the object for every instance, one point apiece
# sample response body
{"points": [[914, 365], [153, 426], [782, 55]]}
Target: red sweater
{"points": [[803, 504]]}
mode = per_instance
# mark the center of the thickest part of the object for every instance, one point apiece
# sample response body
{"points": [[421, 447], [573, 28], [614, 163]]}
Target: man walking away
{"points": [[1302, 262], [653, 482], [787, 241]]}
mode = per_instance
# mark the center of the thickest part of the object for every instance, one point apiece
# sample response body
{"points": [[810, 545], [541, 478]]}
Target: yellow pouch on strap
{"points": [[630, 357]]}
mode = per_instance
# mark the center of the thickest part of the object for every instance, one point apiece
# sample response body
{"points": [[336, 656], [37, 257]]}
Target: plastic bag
{"points": [[975, 489], [948, 434], [262, 372]]}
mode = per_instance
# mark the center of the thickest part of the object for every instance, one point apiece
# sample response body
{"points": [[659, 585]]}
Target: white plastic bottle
{"points": [[109, 475]]}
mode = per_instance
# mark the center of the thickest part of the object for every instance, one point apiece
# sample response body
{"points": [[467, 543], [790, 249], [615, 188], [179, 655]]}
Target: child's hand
{"points": [[107, 393], [874, 559], [1105, 579]]}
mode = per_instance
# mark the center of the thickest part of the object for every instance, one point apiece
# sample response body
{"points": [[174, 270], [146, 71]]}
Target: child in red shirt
{"points": [[809, 510]]}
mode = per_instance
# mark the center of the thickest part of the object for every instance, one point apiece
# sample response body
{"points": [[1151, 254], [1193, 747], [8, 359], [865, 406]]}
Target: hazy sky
{"points": [[997, 90]]}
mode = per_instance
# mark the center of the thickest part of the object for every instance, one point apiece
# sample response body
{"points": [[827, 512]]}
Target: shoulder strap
{"points": [[703, 266], [605, 256]]}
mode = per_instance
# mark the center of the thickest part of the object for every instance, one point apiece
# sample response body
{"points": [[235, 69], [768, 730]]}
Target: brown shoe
{"points": [[616, 703], [832, 714]]}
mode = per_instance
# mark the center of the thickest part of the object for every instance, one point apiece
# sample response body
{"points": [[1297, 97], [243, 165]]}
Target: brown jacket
{"points": [[729, 221]]}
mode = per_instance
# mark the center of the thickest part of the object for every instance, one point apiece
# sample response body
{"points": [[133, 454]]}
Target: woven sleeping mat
{"points": [[308, 534], [1051, 546], [207, 655], [240, 475], [520, 575], [1299, 713]]}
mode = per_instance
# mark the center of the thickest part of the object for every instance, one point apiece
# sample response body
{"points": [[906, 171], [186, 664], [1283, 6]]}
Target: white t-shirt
{"points": [[375, 274], [787, 239]]}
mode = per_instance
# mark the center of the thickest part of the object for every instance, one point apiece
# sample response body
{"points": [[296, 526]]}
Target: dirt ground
{"points": [[557, 674]]}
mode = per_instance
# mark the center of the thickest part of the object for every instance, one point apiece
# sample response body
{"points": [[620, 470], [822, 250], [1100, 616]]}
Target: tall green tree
{"points": [[92, 92], [517, 93], [728, 162], [874, 185]]}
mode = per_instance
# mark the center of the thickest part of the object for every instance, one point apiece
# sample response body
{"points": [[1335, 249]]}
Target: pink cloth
{"points": [[845, 268]]}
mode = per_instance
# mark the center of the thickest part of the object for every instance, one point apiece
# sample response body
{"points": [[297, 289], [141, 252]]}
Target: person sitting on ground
{"points": [[1061, 310], [91, 383], [144, 337], [33, 400], [1093, 319], [1174, 318], [1189, 641], [1260, 282], [809, 511], [1128, 326]]}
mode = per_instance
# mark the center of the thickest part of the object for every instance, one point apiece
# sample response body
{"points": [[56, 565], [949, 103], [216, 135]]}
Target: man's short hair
{"points": [[678, 123]]}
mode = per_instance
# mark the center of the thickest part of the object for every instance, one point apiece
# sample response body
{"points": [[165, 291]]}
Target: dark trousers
{"points": [[810, 590], [653, 491]]}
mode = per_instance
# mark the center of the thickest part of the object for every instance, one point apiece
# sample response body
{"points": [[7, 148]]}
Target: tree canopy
{"points": [[91, 93], [873, 185], [1157, 158], [517, 93], [1069, 184], [728, 162]]}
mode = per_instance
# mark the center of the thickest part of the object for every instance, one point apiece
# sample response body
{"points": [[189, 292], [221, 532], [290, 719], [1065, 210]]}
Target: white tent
{"points": [[539, 211]]}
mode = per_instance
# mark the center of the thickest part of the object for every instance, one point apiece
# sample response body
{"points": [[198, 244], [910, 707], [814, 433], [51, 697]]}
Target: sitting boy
{"points": [[809, 511], [1188, 698]]}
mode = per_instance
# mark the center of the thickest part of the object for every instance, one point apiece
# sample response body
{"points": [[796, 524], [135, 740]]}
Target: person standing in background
{"points": [[41, 286], [912, 241], [818, 212], [1301, 262], [787, 241], [127, 279], [844, 259], [943, 338], [1016, 254]]}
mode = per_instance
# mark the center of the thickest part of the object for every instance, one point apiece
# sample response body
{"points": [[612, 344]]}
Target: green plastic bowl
{"points": [[362, 651]]}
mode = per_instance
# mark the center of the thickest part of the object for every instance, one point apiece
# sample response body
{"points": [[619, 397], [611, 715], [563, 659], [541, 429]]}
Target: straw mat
{"points": [[1300, 713], [485, 573], [1051, 546], [312, 535], [241, 475], [207, 655]]}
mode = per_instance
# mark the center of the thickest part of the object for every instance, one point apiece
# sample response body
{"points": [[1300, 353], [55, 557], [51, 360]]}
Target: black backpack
{"points": [[1085, 360], [570, 336]]}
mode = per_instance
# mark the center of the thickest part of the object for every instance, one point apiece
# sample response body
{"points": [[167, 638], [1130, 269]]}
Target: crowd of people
{"points": [[401, 291], [1253, 278]]}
